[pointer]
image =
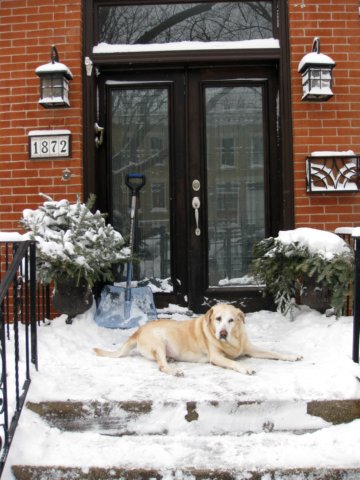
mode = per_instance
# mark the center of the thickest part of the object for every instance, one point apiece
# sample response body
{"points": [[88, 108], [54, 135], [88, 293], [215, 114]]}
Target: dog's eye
{"points": [[218, 319], [231, 320]]}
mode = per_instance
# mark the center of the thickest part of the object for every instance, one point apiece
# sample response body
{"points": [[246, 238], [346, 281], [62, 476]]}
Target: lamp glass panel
{"points": [[57, 86], [315, 75], [46, 86]]}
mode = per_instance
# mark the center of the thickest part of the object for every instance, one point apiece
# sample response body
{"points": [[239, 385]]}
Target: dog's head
{"points": [[225, 321]]}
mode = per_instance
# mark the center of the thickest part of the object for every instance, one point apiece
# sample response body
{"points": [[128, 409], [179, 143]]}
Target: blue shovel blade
{"points": [[118, 309]]}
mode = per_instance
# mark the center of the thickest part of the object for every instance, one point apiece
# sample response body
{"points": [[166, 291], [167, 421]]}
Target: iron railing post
{"points": [[33, 326], [16, 303], [3, 385], [356, 325]]}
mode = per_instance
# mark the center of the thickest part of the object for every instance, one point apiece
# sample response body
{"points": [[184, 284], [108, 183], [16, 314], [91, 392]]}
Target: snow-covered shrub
{"points": [[284, 263], [73, 242]]}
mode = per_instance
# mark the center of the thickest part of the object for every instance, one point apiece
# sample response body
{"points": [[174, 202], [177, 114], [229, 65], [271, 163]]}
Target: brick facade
{"points": [[333, 125], [28, 29]]}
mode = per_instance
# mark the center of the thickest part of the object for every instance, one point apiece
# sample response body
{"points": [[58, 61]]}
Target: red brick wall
{"points": [[333, 125], [27, 31]]}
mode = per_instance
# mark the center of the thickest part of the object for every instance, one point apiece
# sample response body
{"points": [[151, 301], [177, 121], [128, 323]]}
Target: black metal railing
{"points": [[356, 307], [19, 313]]}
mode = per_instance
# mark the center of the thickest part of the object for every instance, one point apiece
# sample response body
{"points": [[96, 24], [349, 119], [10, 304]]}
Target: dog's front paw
{"points": [[171, 371], [249, 371], [294, 358]]}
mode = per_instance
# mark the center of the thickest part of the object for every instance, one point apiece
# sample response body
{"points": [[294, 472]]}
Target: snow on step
{"points": [[70, 370], [325, 448], [193, 418]]}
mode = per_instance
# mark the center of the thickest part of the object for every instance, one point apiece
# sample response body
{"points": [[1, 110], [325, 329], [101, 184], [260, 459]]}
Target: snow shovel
{"points": [[127, 307]]}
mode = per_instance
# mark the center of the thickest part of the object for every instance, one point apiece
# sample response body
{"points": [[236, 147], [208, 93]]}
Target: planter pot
{"points": [[71, 297], [315, 295]]}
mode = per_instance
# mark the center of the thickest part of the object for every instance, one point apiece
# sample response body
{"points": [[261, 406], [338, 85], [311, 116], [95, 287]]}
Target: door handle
{"points": [[99, 135], [196, 205]]}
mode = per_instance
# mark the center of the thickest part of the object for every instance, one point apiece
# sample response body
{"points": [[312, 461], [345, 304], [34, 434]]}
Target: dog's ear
{"points": [[241, 315], [208, 315]]}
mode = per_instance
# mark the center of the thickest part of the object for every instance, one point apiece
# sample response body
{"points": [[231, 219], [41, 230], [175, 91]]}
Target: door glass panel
{"points": [[140, 144], [235, 181], [177, 22]]}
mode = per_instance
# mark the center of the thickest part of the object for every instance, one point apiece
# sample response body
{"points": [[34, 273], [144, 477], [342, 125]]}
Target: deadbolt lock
{"points": [[196, 185]]}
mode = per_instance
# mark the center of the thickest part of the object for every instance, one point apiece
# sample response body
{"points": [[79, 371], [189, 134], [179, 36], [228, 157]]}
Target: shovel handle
{"points": [[135, 181]]}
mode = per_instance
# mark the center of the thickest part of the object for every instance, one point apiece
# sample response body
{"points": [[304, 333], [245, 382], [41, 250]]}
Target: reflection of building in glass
{"points": [[210, 21], [235, 175], [140, 141], [235, 178]]}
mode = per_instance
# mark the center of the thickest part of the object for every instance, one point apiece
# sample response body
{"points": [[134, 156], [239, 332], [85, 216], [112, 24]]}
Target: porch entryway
{"points": [[206, 139], [123, 419]]}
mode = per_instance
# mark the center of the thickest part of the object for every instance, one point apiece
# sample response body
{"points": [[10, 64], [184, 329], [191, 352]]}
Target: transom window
{"points": [[179, 22]]}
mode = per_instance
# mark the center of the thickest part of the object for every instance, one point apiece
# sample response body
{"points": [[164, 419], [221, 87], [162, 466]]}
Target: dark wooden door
{"points": [[205, 138]]}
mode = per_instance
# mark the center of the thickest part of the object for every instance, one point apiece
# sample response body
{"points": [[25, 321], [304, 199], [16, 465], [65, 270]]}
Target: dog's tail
{"points": [[124, 350]]}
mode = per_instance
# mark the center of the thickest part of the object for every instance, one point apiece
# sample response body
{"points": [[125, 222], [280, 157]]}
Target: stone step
{"points": [[205, 418], [94, 473], [186, 452]]}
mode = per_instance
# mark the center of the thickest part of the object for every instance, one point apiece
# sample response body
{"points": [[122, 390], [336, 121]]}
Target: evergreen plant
{"points": [[73, 242], [285, 267]]}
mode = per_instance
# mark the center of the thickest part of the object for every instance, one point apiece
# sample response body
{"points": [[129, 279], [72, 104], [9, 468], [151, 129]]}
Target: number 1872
{"points": [[54, 146]]}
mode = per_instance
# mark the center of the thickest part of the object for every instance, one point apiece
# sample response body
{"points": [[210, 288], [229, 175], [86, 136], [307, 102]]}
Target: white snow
{"points": [[344, 230], [12, 237], [48, 132], [277, 394], [318, 91], [103, 48], [68, 369], [315, 58], [322, 242], [51, 100], [331, 153], [54, 67]]}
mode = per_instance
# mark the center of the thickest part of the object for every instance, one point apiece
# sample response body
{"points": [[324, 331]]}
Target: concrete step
{"points": [[205, 418], [197, 441], [63, 473]]}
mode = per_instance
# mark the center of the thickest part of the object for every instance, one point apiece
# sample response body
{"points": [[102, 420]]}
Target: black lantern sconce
{"points": [[54, 82], [316, 70]]}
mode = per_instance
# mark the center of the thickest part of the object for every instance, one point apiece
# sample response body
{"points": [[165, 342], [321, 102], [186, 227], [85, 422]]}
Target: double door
{"points": [[206, 141]]}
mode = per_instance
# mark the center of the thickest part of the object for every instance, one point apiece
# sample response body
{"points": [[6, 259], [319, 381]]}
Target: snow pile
{"points": [[319, 242]]}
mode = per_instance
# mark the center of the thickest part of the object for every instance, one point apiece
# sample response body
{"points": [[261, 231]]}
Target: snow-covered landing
{"points": [[69, 369]]}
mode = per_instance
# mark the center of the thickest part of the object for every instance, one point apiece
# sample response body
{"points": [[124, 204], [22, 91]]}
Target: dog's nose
{"points": [[223, 333]]}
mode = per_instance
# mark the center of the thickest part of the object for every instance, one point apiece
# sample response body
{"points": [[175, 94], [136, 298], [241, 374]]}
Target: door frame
{"points": [[189, 259], [104, 64]]}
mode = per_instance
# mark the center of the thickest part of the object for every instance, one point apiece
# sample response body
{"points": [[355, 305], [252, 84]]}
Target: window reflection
{"points": [[210, 21], [235, 180], [140, 143]]}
